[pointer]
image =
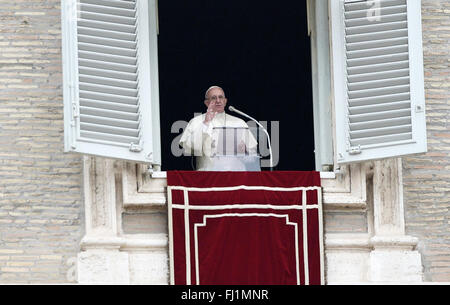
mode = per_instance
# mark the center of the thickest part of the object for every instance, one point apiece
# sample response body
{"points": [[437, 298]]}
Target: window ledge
{"points": [[343, 190], [323, 175]]}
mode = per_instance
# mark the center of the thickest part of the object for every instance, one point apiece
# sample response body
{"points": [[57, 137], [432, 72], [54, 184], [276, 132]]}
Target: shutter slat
{"points": [[382, 139], [108, 50], [108, 97], [113, 122], [376, 36], [107, 26], [372, 28], [102, 33], [378, 91], [112, 3], [108, 9], [108, 81], [403, 64], [377, 51], [377, 75], [377, 43], [379, 99], [380, 107], [104, 65], [86, 15], [120, 43], [108, 73], [375, 132], [108, 137], [102, 112], [108, 89], [382, 115], [377, 59], [388, 10], [379, 83], [132, 109], [361, 5], [130, 132], [380, 123], [125, 60], [383, 19]]}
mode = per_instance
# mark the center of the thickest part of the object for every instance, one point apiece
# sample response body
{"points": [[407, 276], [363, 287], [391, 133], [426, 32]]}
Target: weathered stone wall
{"points": [[41, 208], [427, 177]]}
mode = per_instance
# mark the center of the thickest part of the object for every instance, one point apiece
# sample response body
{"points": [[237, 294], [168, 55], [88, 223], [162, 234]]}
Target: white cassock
{"points": [[201, 140]]}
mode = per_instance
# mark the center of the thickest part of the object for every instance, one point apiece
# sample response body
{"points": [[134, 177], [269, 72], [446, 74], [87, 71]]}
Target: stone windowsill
{"points": [[323, 175]]}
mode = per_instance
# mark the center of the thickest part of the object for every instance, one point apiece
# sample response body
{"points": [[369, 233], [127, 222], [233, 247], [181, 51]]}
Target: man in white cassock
{"points": [[201, 136]]}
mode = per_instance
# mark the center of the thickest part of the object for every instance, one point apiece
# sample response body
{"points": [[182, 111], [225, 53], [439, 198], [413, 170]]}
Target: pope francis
{"points": [[201, 136]]}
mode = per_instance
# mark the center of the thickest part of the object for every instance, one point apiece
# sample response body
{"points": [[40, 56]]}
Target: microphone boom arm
{"points": [[231, 108]]}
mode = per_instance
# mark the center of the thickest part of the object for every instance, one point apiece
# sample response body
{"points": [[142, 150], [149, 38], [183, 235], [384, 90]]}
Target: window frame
{"points": [[318, 29]]}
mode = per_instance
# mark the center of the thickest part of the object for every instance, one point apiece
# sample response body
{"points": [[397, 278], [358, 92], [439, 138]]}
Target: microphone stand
{"points": [[231, 108]]}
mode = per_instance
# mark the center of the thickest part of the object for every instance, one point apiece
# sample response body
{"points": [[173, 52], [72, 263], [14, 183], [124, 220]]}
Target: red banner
{"points": [[245, 228]]}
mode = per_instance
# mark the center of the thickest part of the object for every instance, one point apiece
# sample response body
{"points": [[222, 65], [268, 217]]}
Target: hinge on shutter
{"points": [[355, 150], [135, 147], [75, 109]]}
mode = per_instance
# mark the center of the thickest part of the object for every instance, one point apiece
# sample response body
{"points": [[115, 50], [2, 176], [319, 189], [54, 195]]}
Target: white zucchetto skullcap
{"points": [[210, 88]]}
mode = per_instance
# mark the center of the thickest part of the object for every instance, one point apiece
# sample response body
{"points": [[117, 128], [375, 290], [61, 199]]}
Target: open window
{"points": [[358, 76], [258, 52]]}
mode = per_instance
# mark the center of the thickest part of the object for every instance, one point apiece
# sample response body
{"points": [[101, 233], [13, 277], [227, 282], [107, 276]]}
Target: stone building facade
{"points": [[426, 178], [42, 218], [51, 201]]}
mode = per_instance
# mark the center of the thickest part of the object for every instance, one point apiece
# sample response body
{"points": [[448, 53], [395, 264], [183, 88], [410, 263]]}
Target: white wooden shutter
{"points": [[379, 102], [110, 79]]}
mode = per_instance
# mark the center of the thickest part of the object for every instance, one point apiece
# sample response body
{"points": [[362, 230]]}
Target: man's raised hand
{"points": [[210, 113]]}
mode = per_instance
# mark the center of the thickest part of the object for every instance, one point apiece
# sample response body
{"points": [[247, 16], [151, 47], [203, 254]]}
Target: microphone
{"points": [[231, 108]]}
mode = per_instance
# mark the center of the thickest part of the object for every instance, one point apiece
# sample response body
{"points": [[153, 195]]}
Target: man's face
{"points": [[216, 99]]}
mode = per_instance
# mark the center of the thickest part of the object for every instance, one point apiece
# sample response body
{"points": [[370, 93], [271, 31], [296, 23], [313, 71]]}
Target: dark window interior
{"points": [[257, 51]]}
